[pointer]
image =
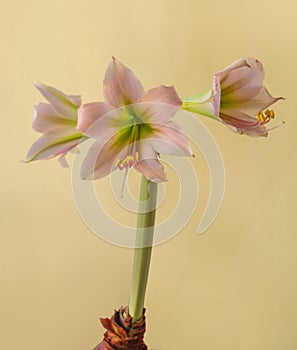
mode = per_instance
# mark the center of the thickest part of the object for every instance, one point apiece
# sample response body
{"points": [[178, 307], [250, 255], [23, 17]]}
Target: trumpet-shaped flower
{"points": [[57, 122], [238, 98], [131, 128]]}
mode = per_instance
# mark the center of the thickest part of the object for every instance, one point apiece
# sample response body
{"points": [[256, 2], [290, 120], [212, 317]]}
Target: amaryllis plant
{"points": [[132, 128]]}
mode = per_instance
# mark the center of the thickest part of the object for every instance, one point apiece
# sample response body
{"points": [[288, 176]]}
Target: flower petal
{"points": [[46, 118], [54, 143], [154, 112], [66, 105], [121, 86], [242, 84], [100, 159], [244, 124], [169, 139], [261, 130], [152, 169], [96, 121], [260, 102], [238, 119], [158, 105], [241, 73], [162, 94], [63, 161], [88, 115], [149, 165]]}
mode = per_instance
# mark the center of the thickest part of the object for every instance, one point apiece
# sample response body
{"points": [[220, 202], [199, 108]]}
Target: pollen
{"points": [[128, 162], [118, 162], [265, 116]]}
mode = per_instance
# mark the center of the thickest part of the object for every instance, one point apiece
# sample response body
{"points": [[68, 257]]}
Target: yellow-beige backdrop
{"points": [[233, 288]]}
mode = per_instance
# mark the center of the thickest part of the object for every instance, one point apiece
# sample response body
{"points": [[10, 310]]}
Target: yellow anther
{"points": [[270, 113], [261, 117], [129, 161], [264, 115], [118, 162]]}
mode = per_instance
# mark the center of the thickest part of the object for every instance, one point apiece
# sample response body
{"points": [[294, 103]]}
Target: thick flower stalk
{"points": [[57, 121], [237, 98], [131, 127]]}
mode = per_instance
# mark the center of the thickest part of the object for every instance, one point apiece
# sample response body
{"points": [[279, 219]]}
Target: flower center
{"points": [[265, 115], [132, 156]]}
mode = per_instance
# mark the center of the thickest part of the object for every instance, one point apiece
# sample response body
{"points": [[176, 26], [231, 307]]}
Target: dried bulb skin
{"points": [[121, 334]]}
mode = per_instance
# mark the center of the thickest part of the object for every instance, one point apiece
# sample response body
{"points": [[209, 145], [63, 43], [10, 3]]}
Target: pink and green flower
{"points": [[131, 127], [57, 121], [237, 98]]}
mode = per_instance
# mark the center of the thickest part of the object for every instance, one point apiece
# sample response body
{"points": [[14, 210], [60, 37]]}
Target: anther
{"points": [[129, 161], [265, 115]]}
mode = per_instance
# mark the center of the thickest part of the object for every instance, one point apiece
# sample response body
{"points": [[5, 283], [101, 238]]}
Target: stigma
{"points": [[129, 162], [265, 116]]}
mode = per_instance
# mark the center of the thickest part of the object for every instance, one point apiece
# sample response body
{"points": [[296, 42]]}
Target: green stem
{"points": [[144, 240]]}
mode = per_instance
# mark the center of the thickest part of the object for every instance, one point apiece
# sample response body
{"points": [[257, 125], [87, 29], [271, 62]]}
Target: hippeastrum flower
{"points": [[57, 122], [238, 98], [132, 127]]}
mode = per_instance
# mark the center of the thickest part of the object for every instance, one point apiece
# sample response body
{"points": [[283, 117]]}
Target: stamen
{"points": [[123, 183], [269, 129], [271, 113], [276, 126], [128, 162], [265, 116], [260, 117], [132, 157]]}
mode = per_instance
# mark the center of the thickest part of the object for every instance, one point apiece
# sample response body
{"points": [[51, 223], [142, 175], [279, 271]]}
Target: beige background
{"points": [[229, 289]]}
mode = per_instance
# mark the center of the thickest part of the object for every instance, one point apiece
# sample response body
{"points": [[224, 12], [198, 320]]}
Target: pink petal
{"points": [[46, 118], [92, 124], [244, 124], [149, 165], [63, 161], [240, 73], [158, 105], [121, 86], [88, 115], [242, 84], [260, 102], [154, 112], [54, 143], [162, 94], [169, 139], [238, 119], [66, 105], [234, 65], [101, 157], [152, 169], [258, 132]]}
